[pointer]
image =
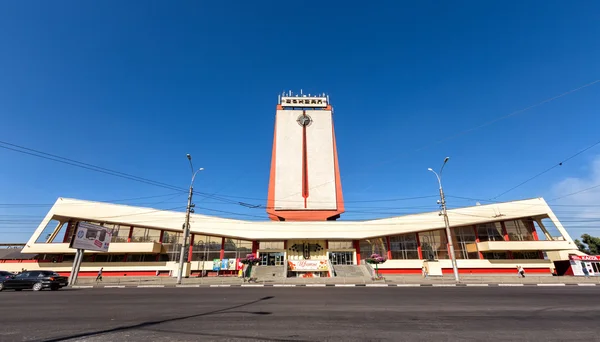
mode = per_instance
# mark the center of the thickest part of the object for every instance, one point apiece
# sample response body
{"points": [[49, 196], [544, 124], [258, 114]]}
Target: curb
{"points": [[327, 285]]}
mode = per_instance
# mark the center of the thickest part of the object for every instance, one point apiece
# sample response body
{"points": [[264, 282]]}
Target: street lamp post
{"points": [[446, 222], [186, 225]]}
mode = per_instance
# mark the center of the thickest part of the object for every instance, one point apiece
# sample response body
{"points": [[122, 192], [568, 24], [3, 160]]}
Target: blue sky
{"points": [[135, 86]]}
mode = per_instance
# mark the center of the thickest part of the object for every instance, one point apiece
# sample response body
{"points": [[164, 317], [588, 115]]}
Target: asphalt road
{"points": [[302, 314]]}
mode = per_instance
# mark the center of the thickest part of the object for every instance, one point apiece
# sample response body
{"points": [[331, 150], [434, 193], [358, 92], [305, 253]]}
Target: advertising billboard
{"points": [[91, 237]]}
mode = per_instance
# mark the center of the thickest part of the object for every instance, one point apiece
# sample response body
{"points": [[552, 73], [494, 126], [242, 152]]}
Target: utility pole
{"points": [[186, 225], [446, 222]]}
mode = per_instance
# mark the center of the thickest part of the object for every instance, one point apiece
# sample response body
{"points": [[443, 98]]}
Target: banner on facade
{"points": [[307, 265]]}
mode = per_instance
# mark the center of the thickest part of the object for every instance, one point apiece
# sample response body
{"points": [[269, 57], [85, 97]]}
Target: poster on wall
{"points": [[232, 264], [225, 264], [216, 264], [307, 265]]}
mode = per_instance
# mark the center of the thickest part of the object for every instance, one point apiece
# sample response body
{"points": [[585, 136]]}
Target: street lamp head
{"points": [[446, 160], [429, 169], [189, 157], [201, 169]]}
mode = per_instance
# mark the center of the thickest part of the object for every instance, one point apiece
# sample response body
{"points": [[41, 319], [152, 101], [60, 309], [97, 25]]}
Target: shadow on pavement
{"points": [[152, 323]]}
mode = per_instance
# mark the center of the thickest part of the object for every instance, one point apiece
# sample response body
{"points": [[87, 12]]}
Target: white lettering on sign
{"points": [[304, 101], [585, 257]]}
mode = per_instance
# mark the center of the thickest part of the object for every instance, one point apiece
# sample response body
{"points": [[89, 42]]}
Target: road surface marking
{"points": [[150, 286]]}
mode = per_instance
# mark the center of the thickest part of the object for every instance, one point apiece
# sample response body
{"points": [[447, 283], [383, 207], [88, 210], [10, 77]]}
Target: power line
{"points": [[576, 192], [549, 169], [91, 167], [451, 137]]}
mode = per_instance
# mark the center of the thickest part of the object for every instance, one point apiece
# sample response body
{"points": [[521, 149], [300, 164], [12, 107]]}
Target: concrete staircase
{"points": [[268, 272], [351, 271]]}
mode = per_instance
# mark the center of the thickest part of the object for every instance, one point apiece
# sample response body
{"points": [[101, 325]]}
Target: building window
{"points": [[404, 246], [237, 249], [495, 255], [519, 230], [264, 245], [172, 242], [434, 245], [206, 248], [145, 235], [172, 237], [340, 245], [141, 257], [490, 232], [527, 255], [103, 257], [120, 233], [465, 243], [372, 246]]}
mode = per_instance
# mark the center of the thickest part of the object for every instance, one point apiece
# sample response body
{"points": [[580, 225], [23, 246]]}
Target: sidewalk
{"points": [[390, 280]]}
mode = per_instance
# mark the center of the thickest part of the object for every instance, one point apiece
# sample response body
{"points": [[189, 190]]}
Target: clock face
{"points": [[304, 120]]}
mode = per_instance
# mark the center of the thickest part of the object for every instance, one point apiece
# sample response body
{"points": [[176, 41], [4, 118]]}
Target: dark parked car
{"points": [[36, 280], [4, 275]]}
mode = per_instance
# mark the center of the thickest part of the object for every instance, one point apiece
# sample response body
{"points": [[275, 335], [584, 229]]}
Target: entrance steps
{"points": [[351, 271], [268, 272]]}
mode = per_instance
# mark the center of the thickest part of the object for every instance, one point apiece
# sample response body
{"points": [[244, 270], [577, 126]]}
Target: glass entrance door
{"points": [[271, 259], [341, 258]]}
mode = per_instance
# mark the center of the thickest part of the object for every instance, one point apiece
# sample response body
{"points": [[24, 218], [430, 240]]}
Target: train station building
{"points": [[304, 237]]}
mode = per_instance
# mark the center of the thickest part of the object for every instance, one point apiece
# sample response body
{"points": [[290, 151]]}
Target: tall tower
{"points": [[305, 182]]}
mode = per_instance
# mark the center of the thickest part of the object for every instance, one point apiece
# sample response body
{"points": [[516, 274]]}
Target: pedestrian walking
{"points": [[586, 273], [99, 277], [424, 271], [521, 271]]}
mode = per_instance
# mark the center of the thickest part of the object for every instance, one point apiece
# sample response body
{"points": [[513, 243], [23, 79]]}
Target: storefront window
{"points": [[404, 246], [434, 245], [465, 243]]}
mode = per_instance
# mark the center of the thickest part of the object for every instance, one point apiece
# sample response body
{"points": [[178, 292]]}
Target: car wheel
{"points": [[1, 286], [37, 286]]}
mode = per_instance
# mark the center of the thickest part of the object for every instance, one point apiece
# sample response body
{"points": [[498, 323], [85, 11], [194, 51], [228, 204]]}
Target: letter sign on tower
{"points": [[305, 180]]}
